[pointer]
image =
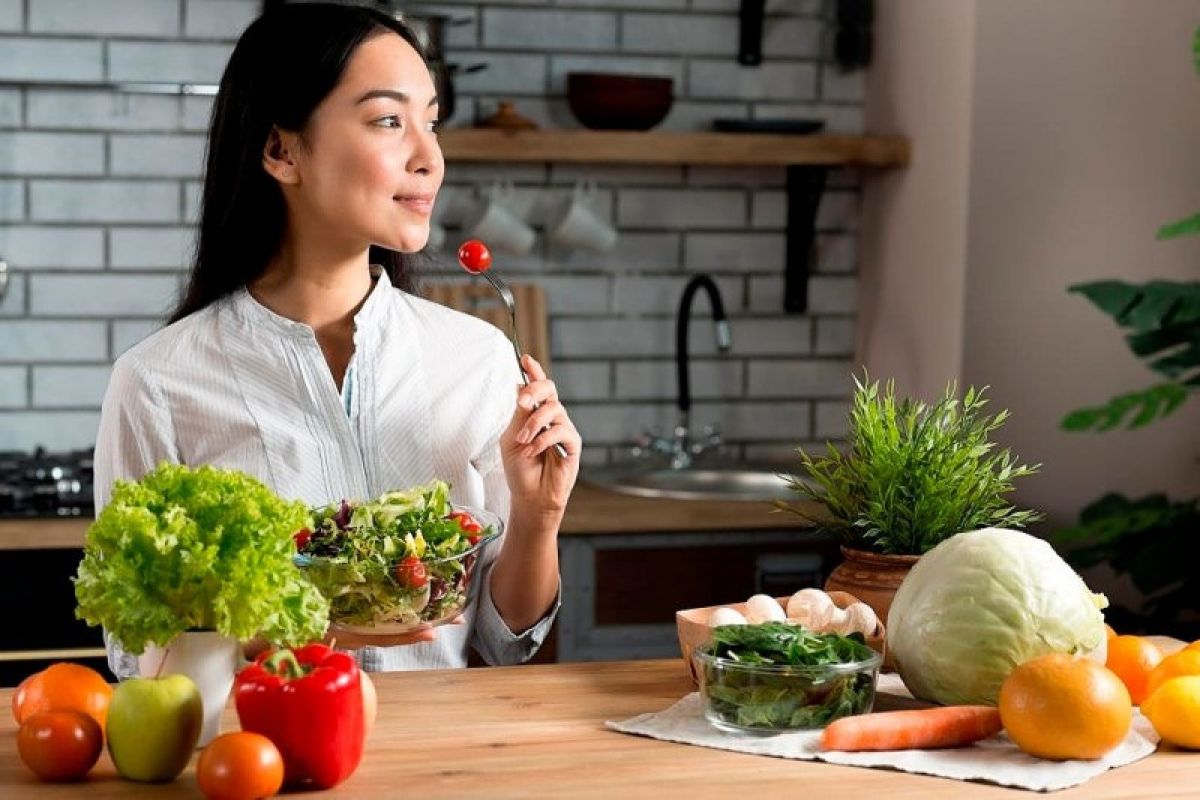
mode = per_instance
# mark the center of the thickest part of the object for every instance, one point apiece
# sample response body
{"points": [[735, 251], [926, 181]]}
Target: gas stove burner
{"points": [[42, 484]]}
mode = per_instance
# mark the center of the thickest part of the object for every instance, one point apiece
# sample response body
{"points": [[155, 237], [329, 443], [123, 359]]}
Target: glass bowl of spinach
{"points": [[776, 676]]}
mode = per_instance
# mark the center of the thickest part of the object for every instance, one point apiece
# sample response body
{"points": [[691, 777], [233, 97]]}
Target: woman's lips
{"points": [[417, 203]]}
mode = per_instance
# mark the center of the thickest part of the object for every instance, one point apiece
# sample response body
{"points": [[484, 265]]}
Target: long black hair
{"points": [[285, 63]]}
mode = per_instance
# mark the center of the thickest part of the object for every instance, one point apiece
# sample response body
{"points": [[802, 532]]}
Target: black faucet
{"points": [[724, 339]]}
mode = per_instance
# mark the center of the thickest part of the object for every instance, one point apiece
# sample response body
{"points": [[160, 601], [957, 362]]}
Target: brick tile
{"points": [[32, 247], [32, 341], [104, 201], [14, 388], [70, 387], [668, 208], [770, 81], [816, 379], [87, 109], [102, 295], [28, 153], [151, 248], [54, 430], [109, 18], [658, 380], [157, 155], [30, 58], [549, 29], [219, 19], [181, 62]]}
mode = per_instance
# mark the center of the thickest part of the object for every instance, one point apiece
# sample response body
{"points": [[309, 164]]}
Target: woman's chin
{"points": [[409, 240]]}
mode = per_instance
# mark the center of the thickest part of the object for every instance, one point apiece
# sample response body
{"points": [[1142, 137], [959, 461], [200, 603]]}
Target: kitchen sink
{"points": [[724, 482]]}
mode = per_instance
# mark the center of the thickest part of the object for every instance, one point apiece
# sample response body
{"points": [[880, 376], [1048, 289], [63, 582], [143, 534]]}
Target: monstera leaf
{"points": [[1163, 320]]}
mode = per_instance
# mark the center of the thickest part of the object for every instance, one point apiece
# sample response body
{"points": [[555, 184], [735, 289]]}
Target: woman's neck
{"points": [[320, 288]]}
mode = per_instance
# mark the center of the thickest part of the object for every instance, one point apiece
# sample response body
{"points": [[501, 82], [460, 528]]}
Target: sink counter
{"points": [[592, 511]]}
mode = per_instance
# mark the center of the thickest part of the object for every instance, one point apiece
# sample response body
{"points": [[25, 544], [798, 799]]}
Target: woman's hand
{"points": [[540, 480], [353, 641]]}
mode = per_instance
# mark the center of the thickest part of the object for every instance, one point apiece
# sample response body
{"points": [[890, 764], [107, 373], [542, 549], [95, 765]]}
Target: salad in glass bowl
{"points": [[398, 564]]}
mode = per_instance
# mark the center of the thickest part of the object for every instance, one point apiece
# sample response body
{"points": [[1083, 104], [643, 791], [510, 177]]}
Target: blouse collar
{"points": [[369, 317]]}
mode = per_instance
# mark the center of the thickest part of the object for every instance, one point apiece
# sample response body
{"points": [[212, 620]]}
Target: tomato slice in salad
{"points": [[411, 573], [468, 524], [301, 538]]}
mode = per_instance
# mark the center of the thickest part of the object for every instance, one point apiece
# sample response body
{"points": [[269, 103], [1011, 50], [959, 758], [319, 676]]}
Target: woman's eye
{"points": [[434, 127], [390, 121]]}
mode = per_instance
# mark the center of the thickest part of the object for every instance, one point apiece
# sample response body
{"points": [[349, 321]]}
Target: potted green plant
{"points": [[911, 476], [183, 565]]}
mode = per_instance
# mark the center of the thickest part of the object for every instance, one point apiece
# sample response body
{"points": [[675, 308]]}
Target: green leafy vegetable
{"points": [[353, 548], [779, 676], [197, 549]]}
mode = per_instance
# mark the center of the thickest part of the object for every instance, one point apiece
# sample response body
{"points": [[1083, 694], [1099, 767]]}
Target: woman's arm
{"points": [[525, 578]]}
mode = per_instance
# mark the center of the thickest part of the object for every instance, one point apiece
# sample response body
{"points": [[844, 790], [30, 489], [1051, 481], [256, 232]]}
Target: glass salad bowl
{"points": [[395, 565], [744, 696]]}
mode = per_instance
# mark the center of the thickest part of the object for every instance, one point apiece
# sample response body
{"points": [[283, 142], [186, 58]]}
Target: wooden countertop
{"points": [[592, 510], [538, 731]]}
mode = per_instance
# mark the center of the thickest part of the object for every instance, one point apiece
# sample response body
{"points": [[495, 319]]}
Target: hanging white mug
{"points": [[494, 222], [574, 223]]}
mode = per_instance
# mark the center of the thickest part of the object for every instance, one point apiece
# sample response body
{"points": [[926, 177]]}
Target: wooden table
{"points": [[538, 731]]}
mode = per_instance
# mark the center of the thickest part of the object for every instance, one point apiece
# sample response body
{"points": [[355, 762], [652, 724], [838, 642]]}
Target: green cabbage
{"points": [[197, 549], [979, 604]]}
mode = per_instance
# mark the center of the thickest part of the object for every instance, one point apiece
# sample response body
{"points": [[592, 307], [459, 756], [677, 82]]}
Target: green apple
{"points": [[153, 726]]}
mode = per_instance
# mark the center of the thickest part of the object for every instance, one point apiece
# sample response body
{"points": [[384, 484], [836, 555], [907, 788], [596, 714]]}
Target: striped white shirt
{"points": [[237, 386]]}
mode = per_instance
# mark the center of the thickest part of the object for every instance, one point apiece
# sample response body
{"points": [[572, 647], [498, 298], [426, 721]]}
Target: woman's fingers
{"points": [[560, 431], [543, 417], [532, 368], [536, 393]]}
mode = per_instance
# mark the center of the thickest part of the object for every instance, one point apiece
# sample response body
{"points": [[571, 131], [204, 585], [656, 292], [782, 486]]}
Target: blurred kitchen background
{"points": [[1049, 142]]}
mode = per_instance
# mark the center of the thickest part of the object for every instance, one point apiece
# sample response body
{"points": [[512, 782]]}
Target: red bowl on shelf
{"points": [[615, 102]]}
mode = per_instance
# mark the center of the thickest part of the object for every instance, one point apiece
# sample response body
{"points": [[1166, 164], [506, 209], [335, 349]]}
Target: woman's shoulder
{"points": [[449, 324], [181, 339]]}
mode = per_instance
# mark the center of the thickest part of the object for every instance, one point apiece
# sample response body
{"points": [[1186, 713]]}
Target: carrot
{"points": [[926, 729]]}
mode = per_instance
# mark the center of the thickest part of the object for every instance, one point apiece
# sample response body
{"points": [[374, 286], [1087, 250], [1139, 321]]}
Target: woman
{"points": [[298, 353]]}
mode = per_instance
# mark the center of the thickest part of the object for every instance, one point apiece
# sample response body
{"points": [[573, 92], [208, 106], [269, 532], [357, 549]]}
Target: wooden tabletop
{"points": [[538, 731], [592, 511]]}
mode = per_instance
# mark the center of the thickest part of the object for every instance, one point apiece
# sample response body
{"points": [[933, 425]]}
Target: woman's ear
{"points": [[278, 160]]}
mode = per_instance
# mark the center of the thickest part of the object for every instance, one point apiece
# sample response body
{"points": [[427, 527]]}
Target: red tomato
{"points": [[19, 695], [475, 256], [240, 766], [411, 573], [301, 538], [60, 745]]}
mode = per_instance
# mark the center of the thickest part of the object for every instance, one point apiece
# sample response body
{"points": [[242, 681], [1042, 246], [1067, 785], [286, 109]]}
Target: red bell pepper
{"points": [[309, 703]]}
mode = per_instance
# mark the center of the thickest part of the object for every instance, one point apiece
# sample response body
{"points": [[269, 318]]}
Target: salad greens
{"points": [[197, 549], [779, 676], [400, 559]]}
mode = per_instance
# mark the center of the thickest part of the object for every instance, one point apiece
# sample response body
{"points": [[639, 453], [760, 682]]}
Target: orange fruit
{"points": [[1109, 632], [1193, 646], [1133, 658], [18, 697], [66, 687], [1174, 710], [1058, 706], [1185, 662]]}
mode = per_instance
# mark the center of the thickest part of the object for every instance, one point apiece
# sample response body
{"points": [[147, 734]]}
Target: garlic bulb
{"points": [[812, 608], [862, 619], [764, 608], [726, 616]]}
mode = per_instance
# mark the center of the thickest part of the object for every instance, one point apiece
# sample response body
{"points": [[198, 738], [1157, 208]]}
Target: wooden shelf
{"points": [[634, 147]]}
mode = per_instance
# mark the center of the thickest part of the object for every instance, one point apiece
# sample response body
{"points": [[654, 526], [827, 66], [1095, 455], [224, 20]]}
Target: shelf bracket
{"points": [[804, 187]]}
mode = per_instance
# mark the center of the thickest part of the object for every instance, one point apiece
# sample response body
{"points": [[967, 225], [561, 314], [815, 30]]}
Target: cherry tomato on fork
{"points": [[475, 256]]}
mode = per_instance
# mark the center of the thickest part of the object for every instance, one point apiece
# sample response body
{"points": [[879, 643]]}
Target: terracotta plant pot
{"points": [[872, 578]]}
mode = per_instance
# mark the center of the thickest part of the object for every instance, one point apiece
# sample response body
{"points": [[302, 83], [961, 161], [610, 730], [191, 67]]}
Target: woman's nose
{"points": [[426, 157]]}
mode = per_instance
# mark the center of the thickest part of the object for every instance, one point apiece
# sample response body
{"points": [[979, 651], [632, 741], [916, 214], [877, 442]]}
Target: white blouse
{"points": [[237, 386]]}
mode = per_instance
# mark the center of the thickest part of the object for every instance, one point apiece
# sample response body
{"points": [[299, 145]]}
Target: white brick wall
{"points": [[99, 193]]}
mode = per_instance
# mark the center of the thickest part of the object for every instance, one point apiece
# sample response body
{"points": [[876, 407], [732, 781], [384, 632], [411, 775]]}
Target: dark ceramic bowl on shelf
{"points": [[614, 102]]}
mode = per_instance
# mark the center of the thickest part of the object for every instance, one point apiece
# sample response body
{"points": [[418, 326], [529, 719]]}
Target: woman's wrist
{"points": [[533, 523]]}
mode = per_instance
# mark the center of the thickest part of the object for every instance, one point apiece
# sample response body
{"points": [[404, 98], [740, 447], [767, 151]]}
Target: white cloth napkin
{"points": [[995, 760]]}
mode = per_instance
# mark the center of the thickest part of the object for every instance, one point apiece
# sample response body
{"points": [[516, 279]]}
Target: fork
{"points": [[510, 303]]}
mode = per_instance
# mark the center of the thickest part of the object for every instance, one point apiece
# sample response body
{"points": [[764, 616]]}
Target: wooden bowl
{"points": [[603, 101], [694, 630]]}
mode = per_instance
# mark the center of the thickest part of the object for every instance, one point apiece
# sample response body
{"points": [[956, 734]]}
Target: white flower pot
{"points": [[209, 659]]}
